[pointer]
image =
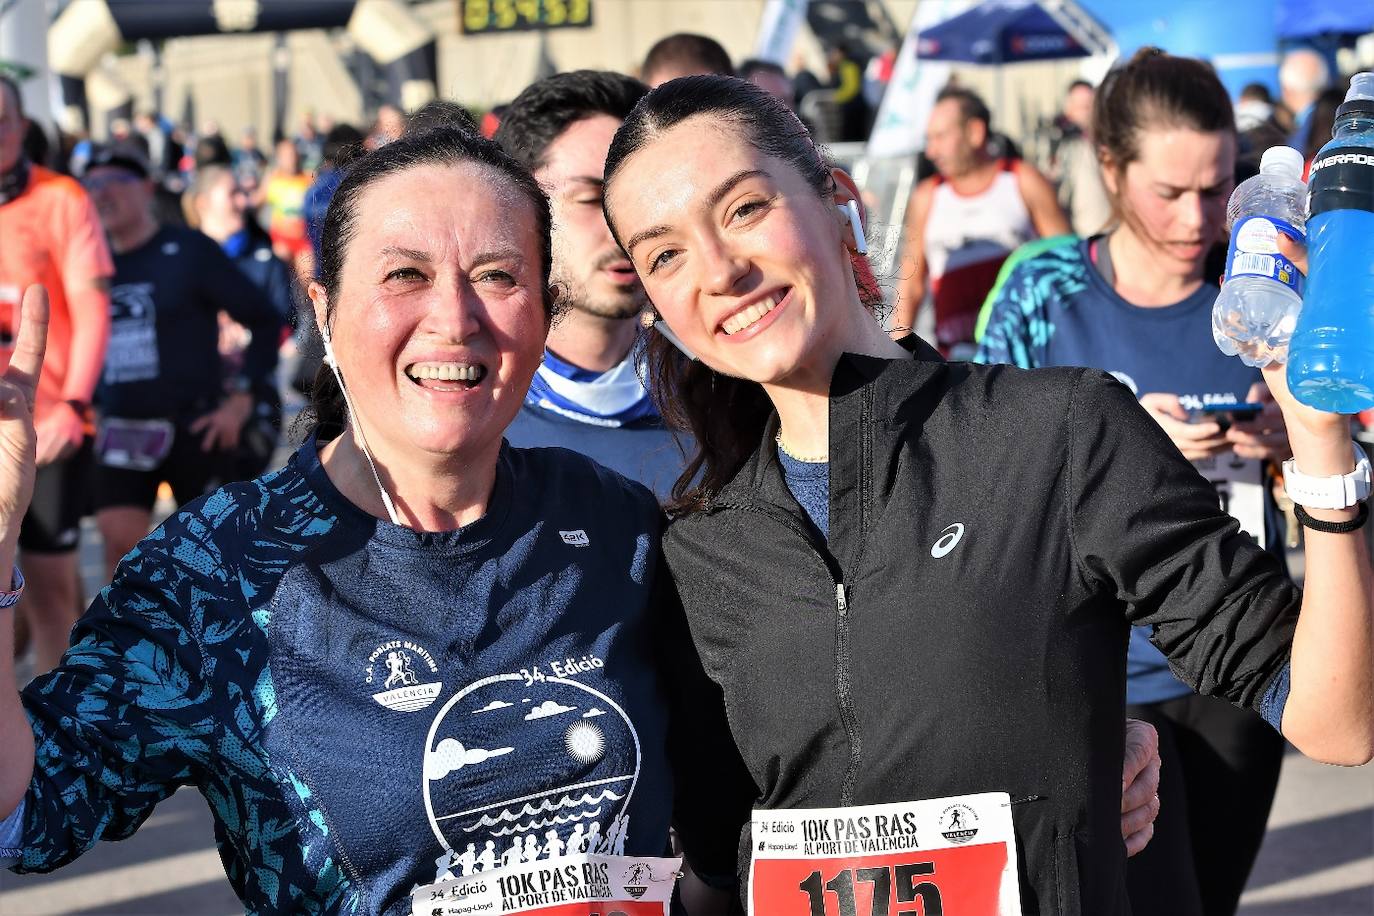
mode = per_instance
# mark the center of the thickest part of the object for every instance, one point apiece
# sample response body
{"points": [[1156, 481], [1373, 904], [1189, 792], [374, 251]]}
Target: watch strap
{"points": [[1339, 491]]}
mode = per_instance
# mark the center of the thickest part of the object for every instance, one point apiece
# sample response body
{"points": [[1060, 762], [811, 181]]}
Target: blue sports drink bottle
{"points": [[1331, 357]]}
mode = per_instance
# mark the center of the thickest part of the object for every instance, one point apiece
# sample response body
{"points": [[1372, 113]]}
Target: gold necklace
{"points": [[819, 459]]}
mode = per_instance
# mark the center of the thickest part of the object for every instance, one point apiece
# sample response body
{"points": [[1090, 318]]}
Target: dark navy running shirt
{"points": [[366, 707], [163, 357], [1055, 309]]}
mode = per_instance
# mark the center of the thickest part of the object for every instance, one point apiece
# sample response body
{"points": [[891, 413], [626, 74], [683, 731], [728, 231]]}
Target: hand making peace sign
{"points": [[18, 387]]}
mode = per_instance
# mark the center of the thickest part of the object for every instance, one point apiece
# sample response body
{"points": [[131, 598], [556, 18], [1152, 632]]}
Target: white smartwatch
{"points": [[1340, 491]]}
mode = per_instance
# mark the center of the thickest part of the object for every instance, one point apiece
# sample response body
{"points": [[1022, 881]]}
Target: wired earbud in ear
{"points": [[328, 350], [850, 210]]}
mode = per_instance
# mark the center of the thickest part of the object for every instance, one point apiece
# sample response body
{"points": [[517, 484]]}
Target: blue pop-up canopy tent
{"points": [[1307, 18], [1013, 31], [999, 32]]}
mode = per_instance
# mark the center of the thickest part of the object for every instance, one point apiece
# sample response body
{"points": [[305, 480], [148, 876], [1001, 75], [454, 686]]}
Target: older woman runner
{"points": [[941, 561], [411, 645]]}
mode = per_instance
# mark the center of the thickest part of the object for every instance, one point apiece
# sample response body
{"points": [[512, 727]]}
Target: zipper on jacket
{"points": [[844, 698], [844, 695]]}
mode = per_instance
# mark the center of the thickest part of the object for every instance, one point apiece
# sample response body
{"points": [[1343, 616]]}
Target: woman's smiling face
{"points": [[439, 319], [741, 256]]}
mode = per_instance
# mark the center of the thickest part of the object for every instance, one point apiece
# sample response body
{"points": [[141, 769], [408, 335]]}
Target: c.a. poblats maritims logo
{"points": [[406, 675]]}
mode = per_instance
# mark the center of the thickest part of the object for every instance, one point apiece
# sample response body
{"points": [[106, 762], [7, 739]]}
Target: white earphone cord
{"points": [[362, 439]]}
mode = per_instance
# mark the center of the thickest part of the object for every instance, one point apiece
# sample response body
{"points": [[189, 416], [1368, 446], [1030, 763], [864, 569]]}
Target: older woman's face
{"points": [[739, 254], [439, 322]]}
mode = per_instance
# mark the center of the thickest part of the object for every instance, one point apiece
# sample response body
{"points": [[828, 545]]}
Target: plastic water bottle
{"points": [[1257, 309], [1331, 359]]}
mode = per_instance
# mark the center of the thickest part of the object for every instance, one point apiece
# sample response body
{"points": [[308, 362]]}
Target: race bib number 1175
{"points": [[928, 858]]}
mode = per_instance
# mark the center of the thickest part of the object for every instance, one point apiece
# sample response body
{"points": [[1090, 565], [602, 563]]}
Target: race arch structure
{"points": [[401, 43]]}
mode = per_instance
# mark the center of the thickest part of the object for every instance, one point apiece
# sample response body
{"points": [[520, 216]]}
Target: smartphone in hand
{"points": [[1226, 415]]}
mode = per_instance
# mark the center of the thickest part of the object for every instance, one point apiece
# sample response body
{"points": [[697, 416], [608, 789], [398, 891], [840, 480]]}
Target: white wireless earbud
{"points": [[851, 211], [662, 327], [328, 350]]}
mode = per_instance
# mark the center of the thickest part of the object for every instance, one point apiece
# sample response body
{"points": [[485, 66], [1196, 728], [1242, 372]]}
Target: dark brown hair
{"points": [[726, 416], [1156, 89], [971, 104]]}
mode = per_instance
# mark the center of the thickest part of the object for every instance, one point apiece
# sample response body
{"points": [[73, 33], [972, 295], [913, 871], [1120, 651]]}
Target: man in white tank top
{"points": [[963, 222]]}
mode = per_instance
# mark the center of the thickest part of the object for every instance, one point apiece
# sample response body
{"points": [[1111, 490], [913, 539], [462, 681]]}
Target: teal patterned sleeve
{"points": [[130, 713], [1016, 320], [1010, 317]]}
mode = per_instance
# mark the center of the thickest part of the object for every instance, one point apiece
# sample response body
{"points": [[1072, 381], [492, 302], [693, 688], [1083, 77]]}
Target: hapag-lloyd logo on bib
{"points": [[404, 670]]}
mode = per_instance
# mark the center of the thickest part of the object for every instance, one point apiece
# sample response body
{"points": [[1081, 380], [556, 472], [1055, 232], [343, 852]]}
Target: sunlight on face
{"points": [[739, 254], [433, 285], [1174, 194], [588, 265]]}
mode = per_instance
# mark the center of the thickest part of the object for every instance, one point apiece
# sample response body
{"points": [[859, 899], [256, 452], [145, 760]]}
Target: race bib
{"points": [[134, 445], [1239, 483], [943, 855], [576, 885]]}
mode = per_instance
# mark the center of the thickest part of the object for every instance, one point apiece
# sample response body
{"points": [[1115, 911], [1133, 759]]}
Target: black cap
{"points": [[120, 156], [1362, 107]]}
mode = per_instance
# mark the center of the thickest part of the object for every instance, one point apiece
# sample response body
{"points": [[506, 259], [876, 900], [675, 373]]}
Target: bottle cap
{"points": [[1282, 160], [1359, 98], [1361, 87]]}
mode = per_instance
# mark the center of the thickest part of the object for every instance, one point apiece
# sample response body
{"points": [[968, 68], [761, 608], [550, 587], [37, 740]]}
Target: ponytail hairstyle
{"points": [[326, 415], [726, 416], [1155, 90]]}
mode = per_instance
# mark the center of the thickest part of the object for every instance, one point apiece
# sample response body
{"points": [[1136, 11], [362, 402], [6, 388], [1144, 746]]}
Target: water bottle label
{"points": [[1254, 251], [1342, 179]]}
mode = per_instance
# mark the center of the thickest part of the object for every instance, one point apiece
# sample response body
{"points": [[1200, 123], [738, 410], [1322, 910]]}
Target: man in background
{"points": [[1082, 195], [588, 395], [1258, 127], [771, 78], [965, 220], [50, 234], [1303, 75], [684, 54]]}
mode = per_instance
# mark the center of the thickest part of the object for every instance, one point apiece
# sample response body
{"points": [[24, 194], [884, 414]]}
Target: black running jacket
{"points": [[994, 532]]}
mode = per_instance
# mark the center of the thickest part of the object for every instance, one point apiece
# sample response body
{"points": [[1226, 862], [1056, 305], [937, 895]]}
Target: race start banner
{"points": [[942, 855], [576, 885]]}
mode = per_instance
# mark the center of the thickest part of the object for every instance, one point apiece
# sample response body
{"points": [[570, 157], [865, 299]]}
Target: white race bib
{"points": [[1239, 483], [576, 885], [944, 855]]}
